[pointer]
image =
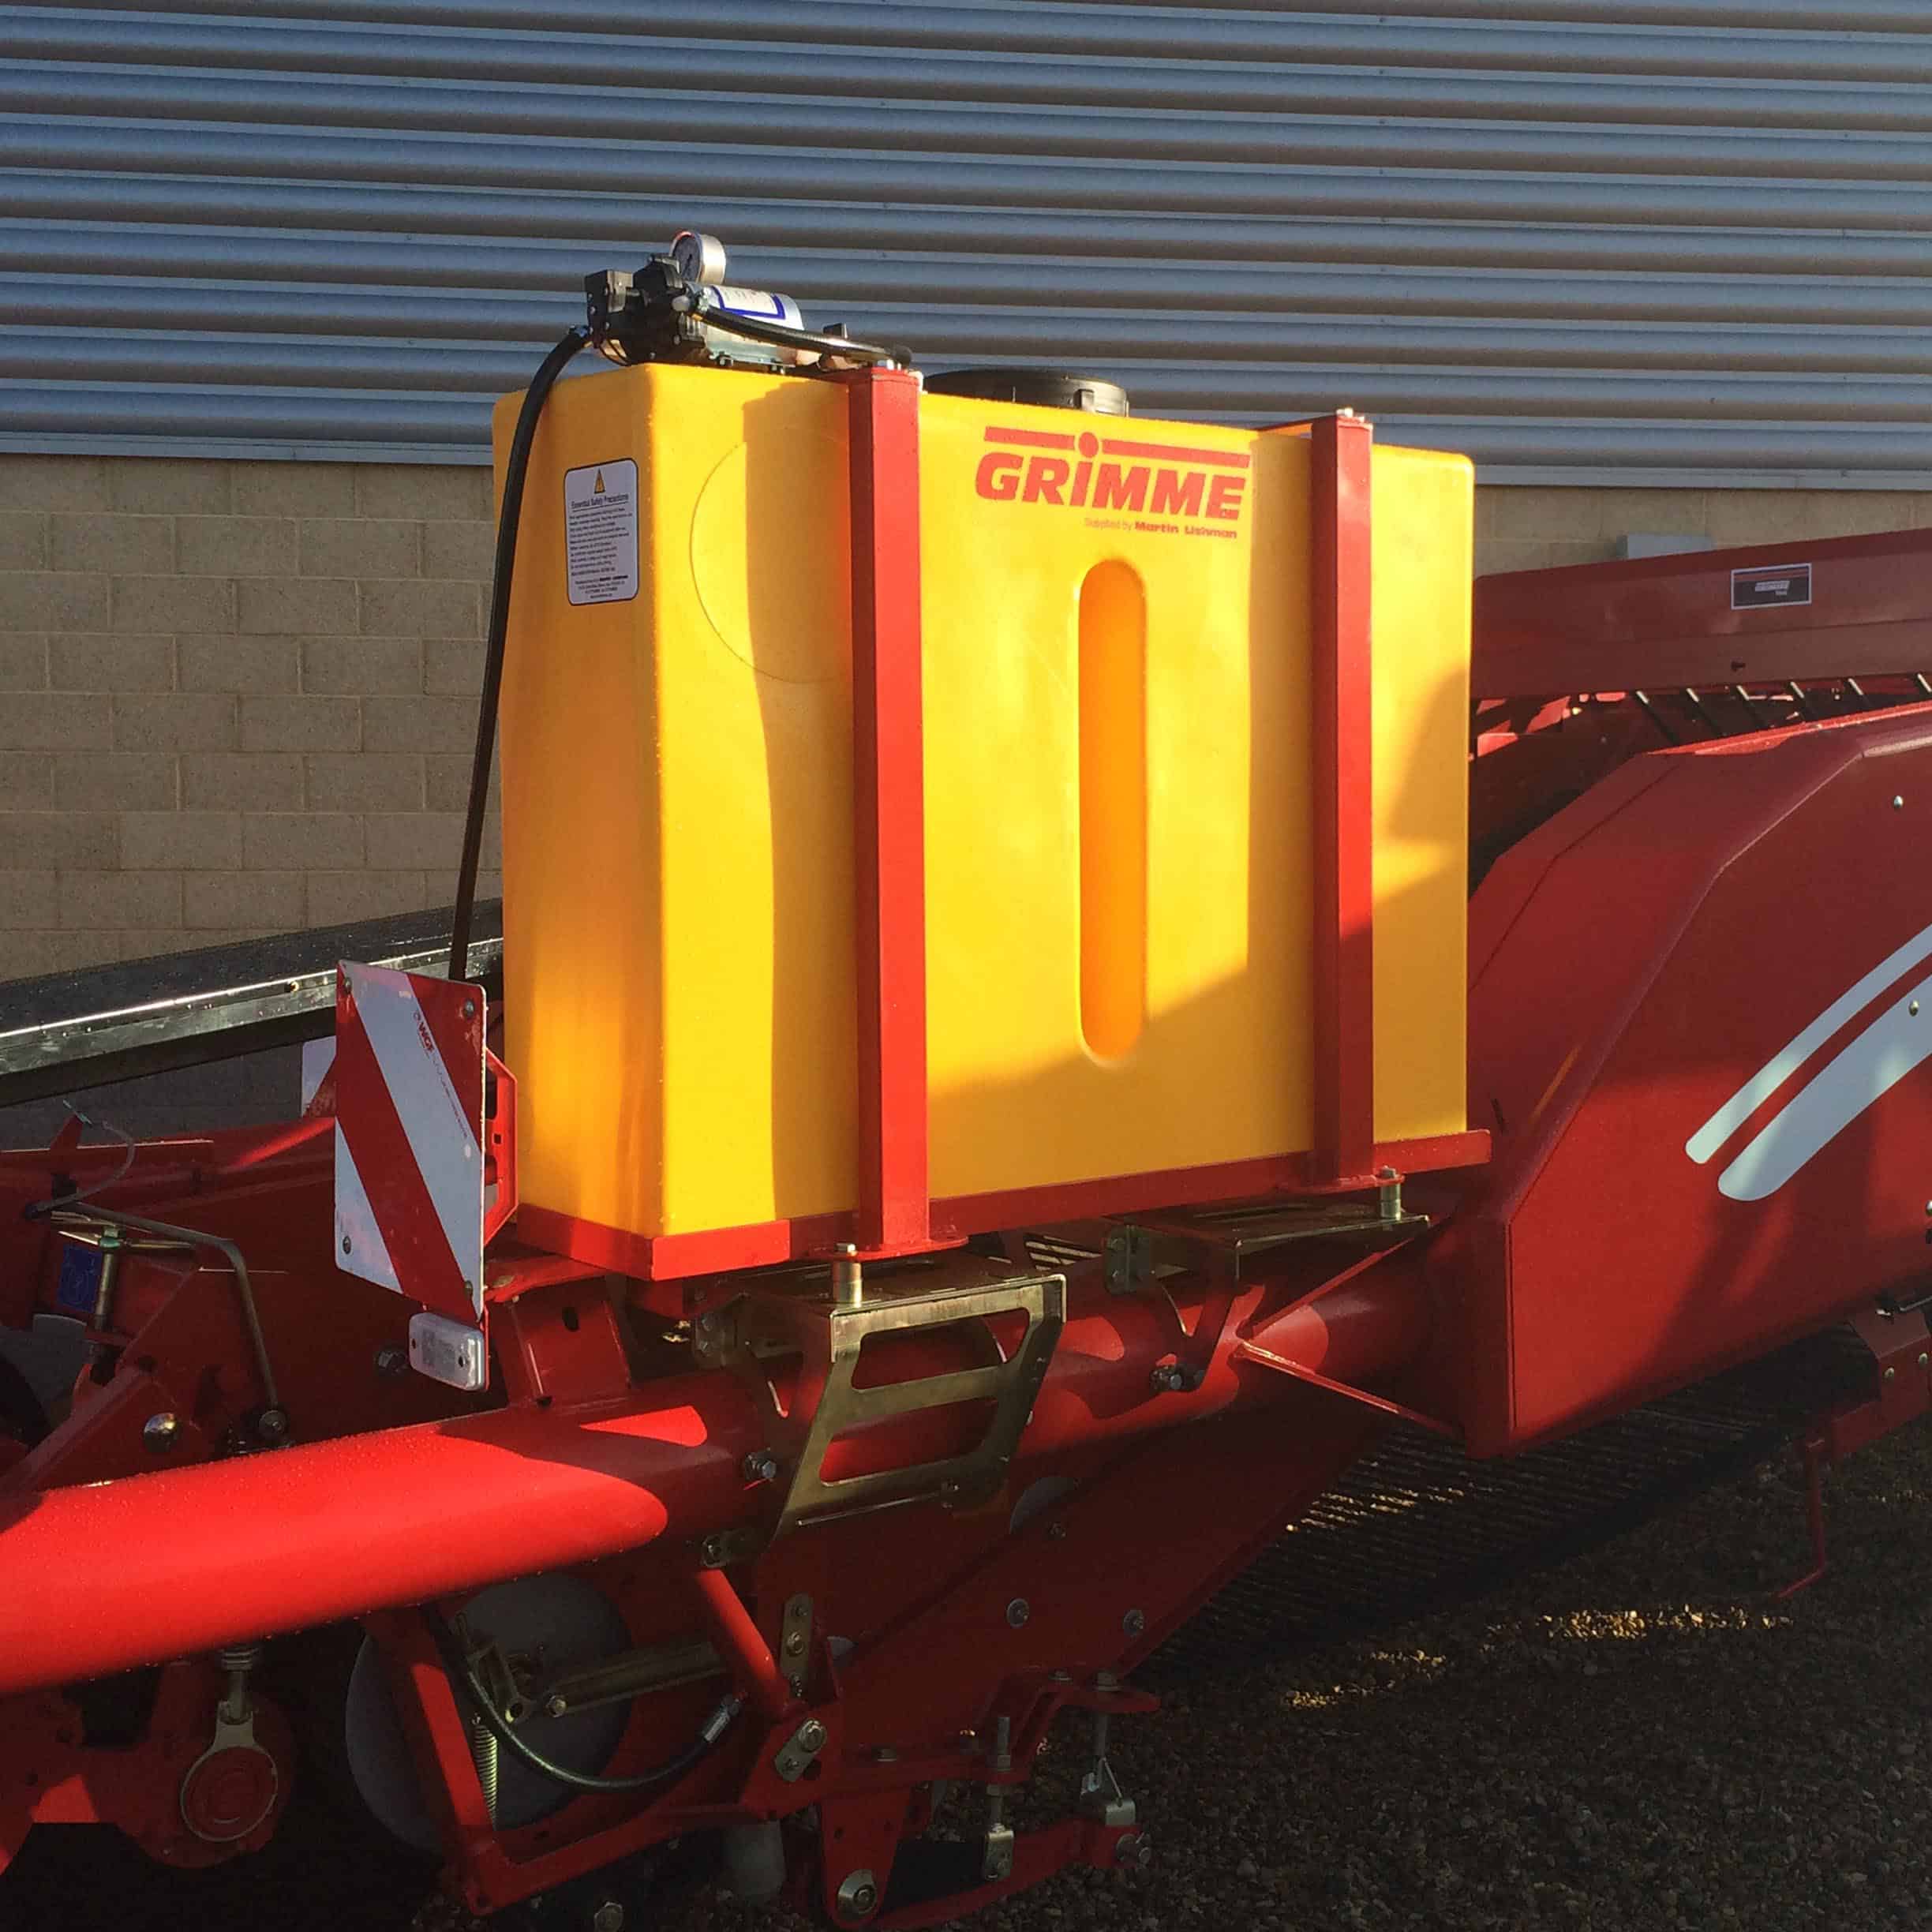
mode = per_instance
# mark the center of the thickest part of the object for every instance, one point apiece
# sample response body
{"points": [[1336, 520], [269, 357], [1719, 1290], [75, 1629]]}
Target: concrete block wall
{"points": [[235, 698], [238, 698], [1535, 528]]}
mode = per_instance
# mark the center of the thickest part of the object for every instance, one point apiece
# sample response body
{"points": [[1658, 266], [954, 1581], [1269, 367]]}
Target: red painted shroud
{"points": [[1633, 962]]}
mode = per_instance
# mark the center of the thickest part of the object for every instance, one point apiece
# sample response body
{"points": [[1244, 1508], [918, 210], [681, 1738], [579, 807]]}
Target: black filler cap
{"points": [[1044, 389]]}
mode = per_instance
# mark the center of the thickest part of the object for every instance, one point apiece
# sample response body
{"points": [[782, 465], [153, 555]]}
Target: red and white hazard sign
{"points": [[409, 1135]]}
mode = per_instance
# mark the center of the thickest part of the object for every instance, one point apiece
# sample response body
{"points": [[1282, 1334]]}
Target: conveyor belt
{"points": [[1417, 1525]]}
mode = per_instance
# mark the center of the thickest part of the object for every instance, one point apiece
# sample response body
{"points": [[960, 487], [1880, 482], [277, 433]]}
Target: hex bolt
{"points": [[1133, 1623], [759, 1466], [847, 1277], [109, 1252], [469, 1012], [811, 1734], [272, 1426], [608, 1917], [1018, 1611], [714, 1550], [557, 1707], [1388, 1194], [160, 1433], [859, 1895], [1175, 1378], [391, 1363]]}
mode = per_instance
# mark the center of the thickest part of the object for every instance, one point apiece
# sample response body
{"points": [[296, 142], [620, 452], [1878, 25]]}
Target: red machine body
{"points": [[1634, 964], [1696, 977]]}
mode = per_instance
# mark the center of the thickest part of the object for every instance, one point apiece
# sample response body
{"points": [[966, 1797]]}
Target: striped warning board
{"points": [[408, 1135]]}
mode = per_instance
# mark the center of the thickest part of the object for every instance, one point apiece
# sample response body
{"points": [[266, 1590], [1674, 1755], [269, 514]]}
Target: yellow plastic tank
{"points": [[1117, 720]]}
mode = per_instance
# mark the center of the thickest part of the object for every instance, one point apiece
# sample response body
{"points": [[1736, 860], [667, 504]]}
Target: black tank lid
{"points": [[1045, 388]]}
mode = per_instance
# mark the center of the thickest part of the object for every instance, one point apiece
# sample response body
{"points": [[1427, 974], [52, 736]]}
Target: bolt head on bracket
{"points": [[796, 1753], [728, 1546], [1127, 1259], [858, 1896]]}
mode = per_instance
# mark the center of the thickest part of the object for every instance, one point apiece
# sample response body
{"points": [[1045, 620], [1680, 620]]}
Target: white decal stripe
{"points": [[1869, 1066], [368, 1255], [317, 1057], [441, 1137], [1789, 1058]]}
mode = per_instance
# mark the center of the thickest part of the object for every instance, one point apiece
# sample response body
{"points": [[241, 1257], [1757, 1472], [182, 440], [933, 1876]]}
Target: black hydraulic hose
{"points": [[783, 336], [508, 517], [462, 1674]]}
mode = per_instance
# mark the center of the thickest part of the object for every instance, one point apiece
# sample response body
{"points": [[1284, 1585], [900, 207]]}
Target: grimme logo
{"points": [[1123, 484]]}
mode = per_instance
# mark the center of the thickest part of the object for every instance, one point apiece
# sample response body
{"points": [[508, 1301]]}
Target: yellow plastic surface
{"points": [[1117, 761]]}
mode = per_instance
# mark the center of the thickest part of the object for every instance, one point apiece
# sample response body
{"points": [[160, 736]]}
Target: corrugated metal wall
{"points": [[1573, 237]]}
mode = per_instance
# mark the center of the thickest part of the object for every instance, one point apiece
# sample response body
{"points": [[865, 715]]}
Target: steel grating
{"points": [[1417, 1525]]}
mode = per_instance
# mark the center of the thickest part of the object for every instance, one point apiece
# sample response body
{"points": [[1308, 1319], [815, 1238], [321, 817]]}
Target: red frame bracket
{"points": [[1339, 640], [1901, 1346], [889, 788]]}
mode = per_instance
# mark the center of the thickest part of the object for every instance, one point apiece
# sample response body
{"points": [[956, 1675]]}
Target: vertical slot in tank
{"points": [[1113, 809]]}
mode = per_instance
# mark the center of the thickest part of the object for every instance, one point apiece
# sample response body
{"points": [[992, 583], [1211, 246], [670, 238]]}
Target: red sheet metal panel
{"points": [[1850, 607], [1694, 1034]]}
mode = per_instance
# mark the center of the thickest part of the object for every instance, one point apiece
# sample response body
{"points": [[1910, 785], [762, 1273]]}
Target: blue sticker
{"points": [[79, 1279]]}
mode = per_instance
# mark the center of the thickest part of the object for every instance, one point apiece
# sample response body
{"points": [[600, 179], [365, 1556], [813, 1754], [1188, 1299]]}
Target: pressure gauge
{"points": [[698, 258]]}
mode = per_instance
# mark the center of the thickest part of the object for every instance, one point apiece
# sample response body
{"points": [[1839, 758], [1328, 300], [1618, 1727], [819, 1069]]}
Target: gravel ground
{"points": [[1641, 1739]]}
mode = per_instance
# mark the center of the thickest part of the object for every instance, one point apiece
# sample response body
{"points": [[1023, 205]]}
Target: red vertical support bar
{"points": [[1344, 774], [890, 792]]}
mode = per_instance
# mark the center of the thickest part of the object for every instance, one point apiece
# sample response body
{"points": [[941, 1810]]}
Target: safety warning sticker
{"points": [[600, 531]]}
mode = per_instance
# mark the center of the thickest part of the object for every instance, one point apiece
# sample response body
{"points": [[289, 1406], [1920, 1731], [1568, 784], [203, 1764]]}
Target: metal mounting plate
{"points": [[788, 1318], [1192, 1236]]}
